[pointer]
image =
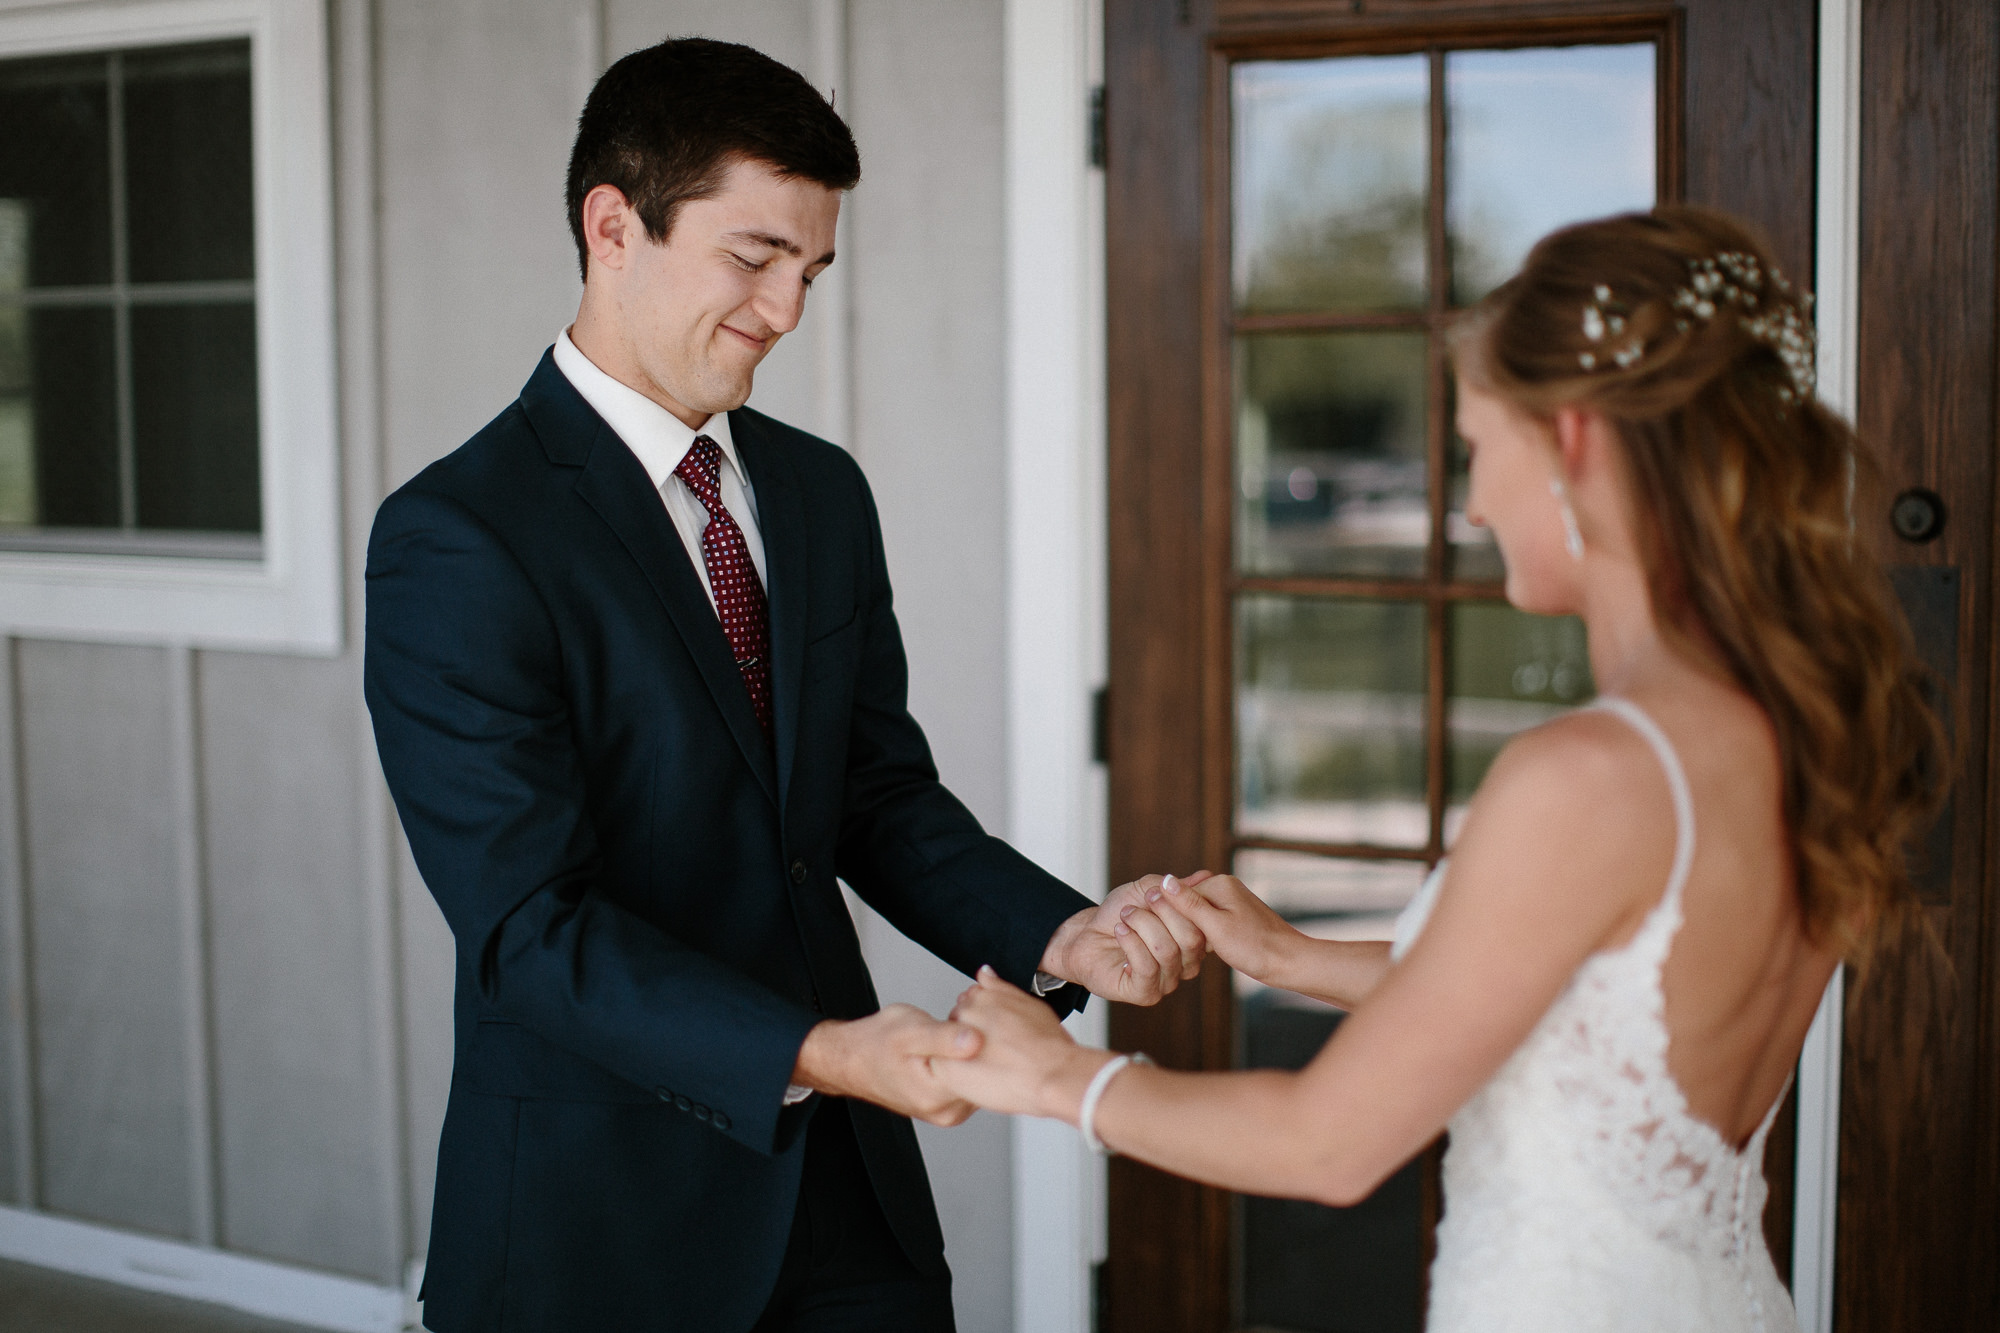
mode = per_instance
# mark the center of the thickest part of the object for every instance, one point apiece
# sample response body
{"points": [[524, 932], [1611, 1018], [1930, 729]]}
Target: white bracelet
{"points": [[1086, 1117]]}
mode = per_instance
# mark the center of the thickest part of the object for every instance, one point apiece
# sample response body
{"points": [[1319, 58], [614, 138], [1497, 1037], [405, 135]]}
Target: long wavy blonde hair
{"points": [[1741, 486]]}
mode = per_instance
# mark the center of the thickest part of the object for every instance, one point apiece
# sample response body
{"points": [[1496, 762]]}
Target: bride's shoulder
{"points": [[1578, 789]]}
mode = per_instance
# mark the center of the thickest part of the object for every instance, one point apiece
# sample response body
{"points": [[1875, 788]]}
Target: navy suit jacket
{"points": [[641, 888]]}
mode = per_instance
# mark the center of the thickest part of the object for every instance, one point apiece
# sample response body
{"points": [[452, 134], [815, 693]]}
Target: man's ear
{"points": [[610, 226]]}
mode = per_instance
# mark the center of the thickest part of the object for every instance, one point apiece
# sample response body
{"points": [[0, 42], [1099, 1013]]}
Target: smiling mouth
{"points": [[758, 343]]}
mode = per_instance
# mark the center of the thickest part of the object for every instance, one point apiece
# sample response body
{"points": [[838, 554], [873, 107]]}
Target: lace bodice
{"points": [[1581, 1193]]}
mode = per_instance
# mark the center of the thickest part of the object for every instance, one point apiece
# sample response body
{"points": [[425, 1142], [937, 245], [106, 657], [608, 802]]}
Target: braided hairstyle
{"points": [[1676, 326]]}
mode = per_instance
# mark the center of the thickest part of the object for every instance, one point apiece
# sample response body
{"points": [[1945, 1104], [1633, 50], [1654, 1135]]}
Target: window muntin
{"points": [[128, 345]]}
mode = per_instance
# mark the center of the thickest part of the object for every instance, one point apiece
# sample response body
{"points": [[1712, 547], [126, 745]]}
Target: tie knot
{"points": [[701, 468]]}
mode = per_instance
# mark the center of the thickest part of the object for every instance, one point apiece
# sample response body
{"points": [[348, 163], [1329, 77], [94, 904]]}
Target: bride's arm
{"points": [[1242, 930], [1566, 845]]}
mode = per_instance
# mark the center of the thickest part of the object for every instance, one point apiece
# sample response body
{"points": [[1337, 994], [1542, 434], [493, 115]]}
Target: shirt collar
{"points": [[656, 437]]}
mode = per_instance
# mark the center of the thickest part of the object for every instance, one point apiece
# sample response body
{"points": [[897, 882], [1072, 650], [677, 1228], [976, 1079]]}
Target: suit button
{"points": [[721, 1120], [702, 1113], [683, 1104], [665, 1095], [798, 872]]}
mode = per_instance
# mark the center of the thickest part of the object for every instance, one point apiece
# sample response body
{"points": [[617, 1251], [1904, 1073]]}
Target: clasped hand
{"points": [[1133, 948], [1026, 1063]]}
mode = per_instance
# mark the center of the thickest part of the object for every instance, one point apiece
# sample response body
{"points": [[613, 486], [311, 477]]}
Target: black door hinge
{"points": [[1100, 725], [1097, 127]]}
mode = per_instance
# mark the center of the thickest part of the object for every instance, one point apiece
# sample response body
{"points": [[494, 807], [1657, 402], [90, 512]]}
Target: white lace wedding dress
{"points": [[1580, 1191]]}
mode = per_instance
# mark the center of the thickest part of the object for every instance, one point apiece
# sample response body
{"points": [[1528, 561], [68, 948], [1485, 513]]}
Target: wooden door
{"points": [[1311, 662]]}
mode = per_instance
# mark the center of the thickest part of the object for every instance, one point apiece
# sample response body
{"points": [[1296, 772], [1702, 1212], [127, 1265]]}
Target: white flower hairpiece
{"points": [[1765, 304]]}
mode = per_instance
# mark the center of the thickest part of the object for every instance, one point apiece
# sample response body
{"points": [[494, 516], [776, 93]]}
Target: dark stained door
{"points": [[1310, 662]]}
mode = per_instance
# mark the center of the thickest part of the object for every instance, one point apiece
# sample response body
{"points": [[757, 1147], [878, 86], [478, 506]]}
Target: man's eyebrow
{"points": [[765, 238], [775, 242]]}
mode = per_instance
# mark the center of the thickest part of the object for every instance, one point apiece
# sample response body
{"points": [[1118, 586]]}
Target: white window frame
{"points": [[290, 598]]}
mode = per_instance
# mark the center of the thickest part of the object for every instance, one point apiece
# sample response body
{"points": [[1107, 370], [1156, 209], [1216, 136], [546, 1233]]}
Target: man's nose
{"points": [[782, 304]]}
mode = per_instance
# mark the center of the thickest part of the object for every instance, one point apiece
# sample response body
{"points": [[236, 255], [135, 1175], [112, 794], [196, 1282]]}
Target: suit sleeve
{"points": [[463, 677], [909, 848]]}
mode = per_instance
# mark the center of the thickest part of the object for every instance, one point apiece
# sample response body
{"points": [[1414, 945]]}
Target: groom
{"points": [[639, 694]]}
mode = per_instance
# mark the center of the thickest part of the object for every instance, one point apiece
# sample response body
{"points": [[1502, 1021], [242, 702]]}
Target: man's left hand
{"points": [[1122, 950]]}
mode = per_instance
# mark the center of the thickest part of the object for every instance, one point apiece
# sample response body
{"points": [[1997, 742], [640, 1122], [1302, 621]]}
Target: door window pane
{"points": [[1330, 454], [1330, 720], [1331, 167], [1307, 1267], [1509, 671], [1539, 138]]}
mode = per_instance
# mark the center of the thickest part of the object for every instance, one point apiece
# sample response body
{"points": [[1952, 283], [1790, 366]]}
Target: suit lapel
{"points": [[615, 485], [781, 519]]}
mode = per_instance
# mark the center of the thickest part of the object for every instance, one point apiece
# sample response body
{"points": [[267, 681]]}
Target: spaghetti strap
{"points": [[1677, 784]]}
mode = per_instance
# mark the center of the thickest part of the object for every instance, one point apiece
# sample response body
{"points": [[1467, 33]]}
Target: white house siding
{"points": [[236, 996]]}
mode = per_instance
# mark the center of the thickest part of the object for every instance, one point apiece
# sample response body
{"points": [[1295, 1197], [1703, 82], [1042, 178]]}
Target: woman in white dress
{"points": [[1604, 994]]}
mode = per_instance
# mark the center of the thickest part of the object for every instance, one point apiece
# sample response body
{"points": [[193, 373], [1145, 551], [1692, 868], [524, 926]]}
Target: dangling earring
{"points": [[1572, 534]]}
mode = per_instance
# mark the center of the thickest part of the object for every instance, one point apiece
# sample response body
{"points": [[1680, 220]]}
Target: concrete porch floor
{"points": [[38, 1300]]}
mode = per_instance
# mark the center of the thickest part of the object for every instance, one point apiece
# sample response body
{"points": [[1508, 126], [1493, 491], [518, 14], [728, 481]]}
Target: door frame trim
{"points": [[1836, 282], [1057, 562]]}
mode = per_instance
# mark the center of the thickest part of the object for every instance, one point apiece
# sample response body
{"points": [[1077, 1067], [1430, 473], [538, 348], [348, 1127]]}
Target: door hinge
{"points": [[1097, 127], [1100, 725]]}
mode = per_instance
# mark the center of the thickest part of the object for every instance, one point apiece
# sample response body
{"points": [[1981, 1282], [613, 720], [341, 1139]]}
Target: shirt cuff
{"points": [[794, 1094], [1045, 982]]}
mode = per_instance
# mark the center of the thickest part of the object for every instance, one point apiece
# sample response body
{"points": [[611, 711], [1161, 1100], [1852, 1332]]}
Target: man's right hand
{"points": [[885, 1058]]}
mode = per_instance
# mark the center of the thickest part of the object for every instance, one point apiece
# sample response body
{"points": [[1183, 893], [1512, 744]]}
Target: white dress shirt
{"points": [[660, 440]]}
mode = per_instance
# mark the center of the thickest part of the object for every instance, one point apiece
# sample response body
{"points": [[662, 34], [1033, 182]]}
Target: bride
{"points": [[1603, 995]]}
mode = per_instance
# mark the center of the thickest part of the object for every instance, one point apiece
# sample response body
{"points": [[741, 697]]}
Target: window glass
{"points": [[1509, 671], [1330, 720], [1330, 451], [1537, 139], [128, 345], [1331, 168]]}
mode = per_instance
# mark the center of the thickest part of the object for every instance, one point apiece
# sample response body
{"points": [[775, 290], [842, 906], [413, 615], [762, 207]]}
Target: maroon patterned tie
{"points": [[739, 593]]}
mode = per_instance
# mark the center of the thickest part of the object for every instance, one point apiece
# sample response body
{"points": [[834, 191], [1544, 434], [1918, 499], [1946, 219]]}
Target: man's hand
{"points": [[885, 1058], [1123, 950]]}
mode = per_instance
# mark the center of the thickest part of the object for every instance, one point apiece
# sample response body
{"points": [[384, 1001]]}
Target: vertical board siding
{"points": [[17, 1088], [96, 755], [302, 1171]]}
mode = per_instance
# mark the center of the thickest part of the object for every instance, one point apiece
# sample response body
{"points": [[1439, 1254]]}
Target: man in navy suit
{"points": [[639, 693]]}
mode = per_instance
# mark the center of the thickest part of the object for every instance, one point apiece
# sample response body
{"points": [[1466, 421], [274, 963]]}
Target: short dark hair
{"points": [[665, 124]]}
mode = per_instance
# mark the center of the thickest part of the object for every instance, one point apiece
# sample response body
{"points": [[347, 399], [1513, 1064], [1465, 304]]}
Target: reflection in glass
{"points": [[194, 411], [1509, 671], [69, 416], [55, 165], [17, 420], [187, 162], [1330, 720], [1540, 138], [1329, 197], [1307, 1267], [1330, 454]]}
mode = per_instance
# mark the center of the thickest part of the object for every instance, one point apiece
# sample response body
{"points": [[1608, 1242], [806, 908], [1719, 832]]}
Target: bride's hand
{"points": [[1026, 1063], [1241, 929]]}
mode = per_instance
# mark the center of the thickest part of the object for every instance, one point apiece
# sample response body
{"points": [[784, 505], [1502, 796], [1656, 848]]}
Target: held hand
{"points": [[1027, 1064], [1124, 950], [1240, 927], [887, 1058]]}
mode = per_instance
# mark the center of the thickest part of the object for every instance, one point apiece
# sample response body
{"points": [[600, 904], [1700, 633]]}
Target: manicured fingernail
{"points": [[986, 971], [1170, 884], [962, 1040], [1121, 929], [1124, 912], [1153, 897]]}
